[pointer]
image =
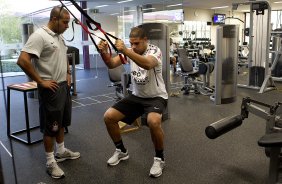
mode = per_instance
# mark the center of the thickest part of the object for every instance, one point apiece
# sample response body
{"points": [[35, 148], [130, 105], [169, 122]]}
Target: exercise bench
{"points": [[271, 141]]}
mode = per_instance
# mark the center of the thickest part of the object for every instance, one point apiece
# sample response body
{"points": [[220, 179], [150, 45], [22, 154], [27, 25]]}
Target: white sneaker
{"points": [[117, 157], [68, 154], [157, 168], [54, 170]]}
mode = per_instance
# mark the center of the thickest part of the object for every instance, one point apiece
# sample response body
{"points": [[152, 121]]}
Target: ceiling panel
{"points": [[113, 7], [201, 4]]}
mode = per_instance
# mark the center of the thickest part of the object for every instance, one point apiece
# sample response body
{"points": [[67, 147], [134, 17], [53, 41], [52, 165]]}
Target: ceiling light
{"points": [[174, 5], [129, 11], [148, 9], [101, 6], [124, 1], [114, 14], [278, 2], [219, 7]]}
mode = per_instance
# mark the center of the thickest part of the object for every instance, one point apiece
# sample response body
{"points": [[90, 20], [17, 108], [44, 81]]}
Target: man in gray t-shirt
{"points": [[51, 72]]}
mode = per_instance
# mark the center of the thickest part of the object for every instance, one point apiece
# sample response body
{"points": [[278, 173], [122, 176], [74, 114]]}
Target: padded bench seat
{"points": [[273, 143], [271, 140]]}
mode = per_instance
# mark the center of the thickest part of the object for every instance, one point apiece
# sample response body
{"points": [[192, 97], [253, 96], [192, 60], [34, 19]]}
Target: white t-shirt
{"points": [[148, 83], [50, 49]]}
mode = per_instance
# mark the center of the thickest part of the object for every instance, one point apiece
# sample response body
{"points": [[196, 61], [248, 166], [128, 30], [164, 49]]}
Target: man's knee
{"points": [[108, 117], [154, 121], [111, 116]]}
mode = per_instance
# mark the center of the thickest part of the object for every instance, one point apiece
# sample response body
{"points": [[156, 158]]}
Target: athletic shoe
{"points": [[67, 155], [157, 168], [54, 170], [117, 157]]}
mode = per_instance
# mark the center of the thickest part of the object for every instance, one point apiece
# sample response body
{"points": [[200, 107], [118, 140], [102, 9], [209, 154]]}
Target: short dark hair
{"points": [[57, 11], [137, 32]]}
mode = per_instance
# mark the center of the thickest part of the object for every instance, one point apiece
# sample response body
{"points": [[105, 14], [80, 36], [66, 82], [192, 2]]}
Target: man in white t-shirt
{"points": [[149, 95]]}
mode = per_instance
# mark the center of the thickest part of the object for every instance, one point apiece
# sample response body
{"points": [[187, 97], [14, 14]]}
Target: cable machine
{"points": [[259, 42], [274, 73]]}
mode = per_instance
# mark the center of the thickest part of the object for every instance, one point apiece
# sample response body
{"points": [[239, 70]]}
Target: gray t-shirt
{"points": [[51, 50], [148, 83]]}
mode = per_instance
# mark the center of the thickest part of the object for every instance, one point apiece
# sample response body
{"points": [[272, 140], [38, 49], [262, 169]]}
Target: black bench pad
{"points": [[271, 140]]}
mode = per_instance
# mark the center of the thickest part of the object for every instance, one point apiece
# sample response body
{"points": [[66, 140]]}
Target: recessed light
{"points": [[129, 11], [124, 1], [219, 7], [172, 5], [114, 14], [148, 9], [101, 6]]}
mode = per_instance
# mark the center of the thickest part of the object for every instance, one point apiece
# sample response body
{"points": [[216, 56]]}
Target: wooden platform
{"points": [[128, 128]]}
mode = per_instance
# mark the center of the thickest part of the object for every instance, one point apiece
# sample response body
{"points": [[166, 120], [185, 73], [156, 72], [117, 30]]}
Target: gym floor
{"points": [[234, 158]]}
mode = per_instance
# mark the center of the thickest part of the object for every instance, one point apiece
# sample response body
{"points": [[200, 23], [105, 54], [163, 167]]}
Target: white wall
{"points": [[191, 14]]}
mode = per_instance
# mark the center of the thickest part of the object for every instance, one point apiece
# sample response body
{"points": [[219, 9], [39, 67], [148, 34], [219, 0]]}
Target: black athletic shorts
{"points": [[133, 107], [54, 109]]}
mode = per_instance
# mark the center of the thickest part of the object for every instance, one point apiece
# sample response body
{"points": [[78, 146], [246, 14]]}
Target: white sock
{"points": [[60, 148], [50, 157]]}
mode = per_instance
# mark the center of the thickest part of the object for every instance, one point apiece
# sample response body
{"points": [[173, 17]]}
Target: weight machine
{"points": [[191, 70], [120, 79], [73, 58], [272, 140], [259, 42], [268, 83]]}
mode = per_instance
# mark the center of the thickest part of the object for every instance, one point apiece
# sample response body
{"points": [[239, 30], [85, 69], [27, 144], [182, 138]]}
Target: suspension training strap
{"points": [[89, 20], [83, 26], [98, 26]]}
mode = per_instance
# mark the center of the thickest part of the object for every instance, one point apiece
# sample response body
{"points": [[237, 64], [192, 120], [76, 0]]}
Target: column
{"points": [[85, 48]]}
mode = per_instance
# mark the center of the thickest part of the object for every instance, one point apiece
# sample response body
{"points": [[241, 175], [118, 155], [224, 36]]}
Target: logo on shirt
{"points": [[140, 77], [55, 126]]}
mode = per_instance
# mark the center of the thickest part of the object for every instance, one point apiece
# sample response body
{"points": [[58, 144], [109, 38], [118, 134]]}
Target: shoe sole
{"points": [[155, 176], [68, 158], [116, 163], [56, 177]]}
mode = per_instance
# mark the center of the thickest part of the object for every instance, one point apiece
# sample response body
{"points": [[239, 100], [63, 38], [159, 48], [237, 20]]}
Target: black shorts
{"points": [[54, 109], [133, 107]]}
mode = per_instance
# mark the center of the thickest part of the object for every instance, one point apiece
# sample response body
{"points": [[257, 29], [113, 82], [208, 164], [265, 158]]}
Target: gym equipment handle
{"points": [[222, 126]]}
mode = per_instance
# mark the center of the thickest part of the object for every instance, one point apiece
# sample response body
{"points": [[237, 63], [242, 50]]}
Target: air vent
{"points": [[94, 11]]}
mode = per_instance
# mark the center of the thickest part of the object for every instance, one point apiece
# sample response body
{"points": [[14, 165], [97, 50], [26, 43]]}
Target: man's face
{"points": [[62, 23], [138, 45]]}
